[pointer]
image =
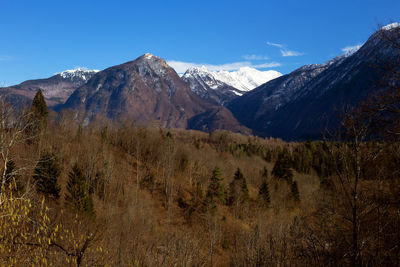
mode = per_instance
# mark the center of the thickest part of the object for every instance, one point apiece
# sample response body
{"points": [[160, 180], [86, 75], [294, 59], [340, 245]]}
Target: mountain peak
{"points": [[149, 56], [196, 70], [391, 26], [156, 63]]}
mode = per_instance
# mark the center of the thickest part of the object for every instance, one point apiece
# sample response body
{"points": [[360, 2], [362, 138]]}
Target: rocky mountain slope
{"points": [[308, 101], [56, 89], [147, 90]]}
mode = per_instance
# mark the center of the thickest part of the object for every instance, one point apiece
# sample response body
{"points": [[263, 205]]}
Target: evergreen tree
{"points": [[39, 111], [238, 191], [77, 196], [282, 168], [46, 174], [263, 192], [244, 194], [295, 192], [216, 191]]}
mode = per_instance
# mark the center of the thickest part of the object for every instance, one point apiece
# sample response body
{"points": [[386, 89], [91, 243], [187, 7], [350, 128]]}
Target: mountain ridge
{"points": [[145, 90], [307, 102], [223, 86], [56, 89]]}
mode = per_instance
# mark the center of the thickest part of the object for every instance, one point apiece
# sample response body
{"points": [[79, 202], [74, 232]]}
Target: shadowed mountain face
{"points": [[202, 83], [146, 90], [221, 87], [310, 100], [56, 89]]}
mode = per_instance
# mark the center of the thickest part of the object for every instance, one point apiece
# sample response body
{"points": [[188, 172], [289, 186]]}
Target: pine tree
{"points": [[244, 196], [216, 191], [263, 192], [295, 192], [282, 168], [77, 196], [238, 191], [39, 111], [46, 174]]}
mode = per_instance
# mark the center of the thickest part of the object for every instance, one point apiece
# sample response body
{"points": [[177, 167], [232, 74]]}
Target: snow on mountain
{"points": [[204, 77], [223, 86], [203, 83], [246, 78], [56, 89], [78, 73], [391, 26]]}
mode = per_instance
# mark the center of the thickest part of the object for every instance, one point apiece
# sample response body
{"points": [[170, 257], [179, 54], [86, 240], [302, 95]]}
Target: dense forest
{"points": [[136, 195]]}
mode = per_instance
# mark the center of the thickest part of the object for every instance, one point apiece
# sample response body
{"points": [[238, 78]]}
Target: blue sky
{"points": [[39, 38]]}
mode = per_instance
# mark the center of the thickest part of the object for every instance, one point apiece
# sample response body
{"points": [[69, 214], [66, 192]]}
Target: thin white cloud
{"points": [[275, 44], [254, 57], [181, 67], [348, 50], [284, 51], [290, 53]]}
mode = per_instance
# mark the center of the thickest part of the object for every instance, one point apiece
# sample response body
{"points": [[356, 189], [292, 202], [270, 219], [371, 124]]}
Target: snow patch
{"points": [[80, 73], [245, 79], [391, 26], [350, 50], [148, 56]]}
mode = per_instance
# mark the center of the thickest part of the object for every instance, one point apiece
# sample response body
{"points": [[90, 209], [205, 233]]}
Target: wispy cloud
{"points": [[284, 51], [290, 53], [181, 67], [348, 50], [276, 45], [254, 57]]}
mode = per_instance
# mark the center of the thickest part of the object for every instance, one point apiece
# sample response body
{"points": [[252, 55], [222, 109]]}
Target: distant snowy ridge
{"points": [[245, 79], [78, 73], [204, 77]]}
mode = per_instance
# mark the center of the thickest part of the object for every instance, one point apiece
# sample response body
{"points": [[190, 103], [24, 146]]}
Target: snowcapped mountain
{"points": [[56, 89], [203, 83], [78, 74], [223, 86], [246, 78], [147, 90]]}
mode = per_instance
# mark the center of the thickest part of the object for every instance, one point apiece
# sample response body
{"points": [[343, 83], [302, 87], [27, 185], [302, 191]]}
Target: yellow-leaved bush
{"points": [[29, 237]]}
